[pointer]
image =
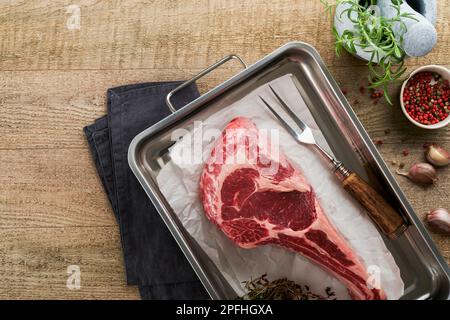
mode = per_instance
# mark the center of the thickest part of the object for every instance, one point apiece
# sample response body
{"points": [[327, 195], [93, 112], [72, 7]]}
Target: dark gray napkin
{"points": [[153, 260]]}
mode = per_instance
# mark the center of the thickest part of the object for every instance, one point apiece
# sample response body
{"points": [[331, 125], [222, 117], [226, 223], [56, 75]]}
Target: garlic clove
{"points": [[422, 173], [440, 218], [437, 155]]}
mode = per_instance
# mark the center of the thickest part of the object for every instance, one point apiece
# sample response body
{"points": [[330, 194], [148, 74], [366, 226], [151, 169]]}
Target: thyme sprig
{"points": [[282, 289], [373, 34]]}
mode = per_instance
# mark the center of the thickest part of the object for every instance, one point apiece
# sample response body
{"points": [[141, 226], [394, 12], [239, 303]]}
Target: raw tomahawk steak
{"points": [[255, 206]]}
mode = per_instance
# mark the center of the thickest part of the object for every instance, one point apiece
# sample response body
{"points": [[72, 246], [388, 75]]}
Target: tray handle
{"points": [[199, 75]]}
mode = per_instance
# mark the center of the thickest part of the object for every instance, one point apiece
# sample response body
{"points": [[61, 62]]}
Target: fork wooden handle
{"points": [[386, 218]]}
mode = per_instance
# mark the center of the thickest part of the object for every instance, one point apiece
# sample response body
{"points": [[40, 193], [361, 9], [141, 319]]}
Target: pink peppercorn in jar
{"points": [[425, 97]]}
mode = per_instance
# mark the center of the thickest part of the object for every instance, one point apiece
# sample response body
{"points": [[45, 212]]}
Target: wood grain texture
{"points": [[48, 109], [60, 188], [388, 220], [423, 199], [34, 262], [53, 211], [377, 116], [167, 34]]}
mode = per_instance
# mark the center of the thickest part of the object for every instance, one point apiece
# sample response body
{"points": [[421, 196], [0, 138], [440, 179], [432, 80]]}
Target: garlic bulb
{"points": [[440, 218], [437, 155], [422, 173]]}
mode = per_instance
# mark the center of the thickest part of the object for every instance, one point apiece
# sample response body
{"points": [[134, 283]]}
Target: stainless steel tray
{"points": [[424, 271]]}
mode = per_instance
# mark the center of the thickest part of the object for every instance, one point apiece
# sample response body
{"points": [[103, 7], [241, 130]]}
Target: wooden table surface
{"points": [[53, 211]]}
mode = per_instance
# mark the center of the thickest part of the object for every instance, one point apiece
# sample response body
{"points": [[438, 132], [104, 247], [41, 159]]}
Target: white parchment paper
{"points": [[179, 182]]}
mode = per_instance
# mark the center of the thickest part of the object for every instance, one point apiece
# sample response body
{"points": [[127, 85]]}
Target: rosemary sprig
{"points": [[373, 34], [282, 289]]}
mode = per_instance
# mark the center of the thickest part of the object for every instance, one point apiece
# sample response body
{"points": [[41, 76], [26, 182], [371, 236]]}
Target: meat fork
{"points": [[389, 221]]}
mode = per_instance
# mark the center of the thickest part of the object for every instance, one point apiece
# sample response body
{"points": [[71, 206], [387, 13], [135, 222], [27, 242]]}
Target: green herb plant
{"points": [[373, 34]]}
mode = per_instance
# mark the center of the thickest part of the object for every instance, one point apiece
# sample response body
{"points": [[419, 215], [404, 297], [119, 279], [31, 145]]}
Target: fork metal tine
{"points": [[288, 110], [294, 133]]}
